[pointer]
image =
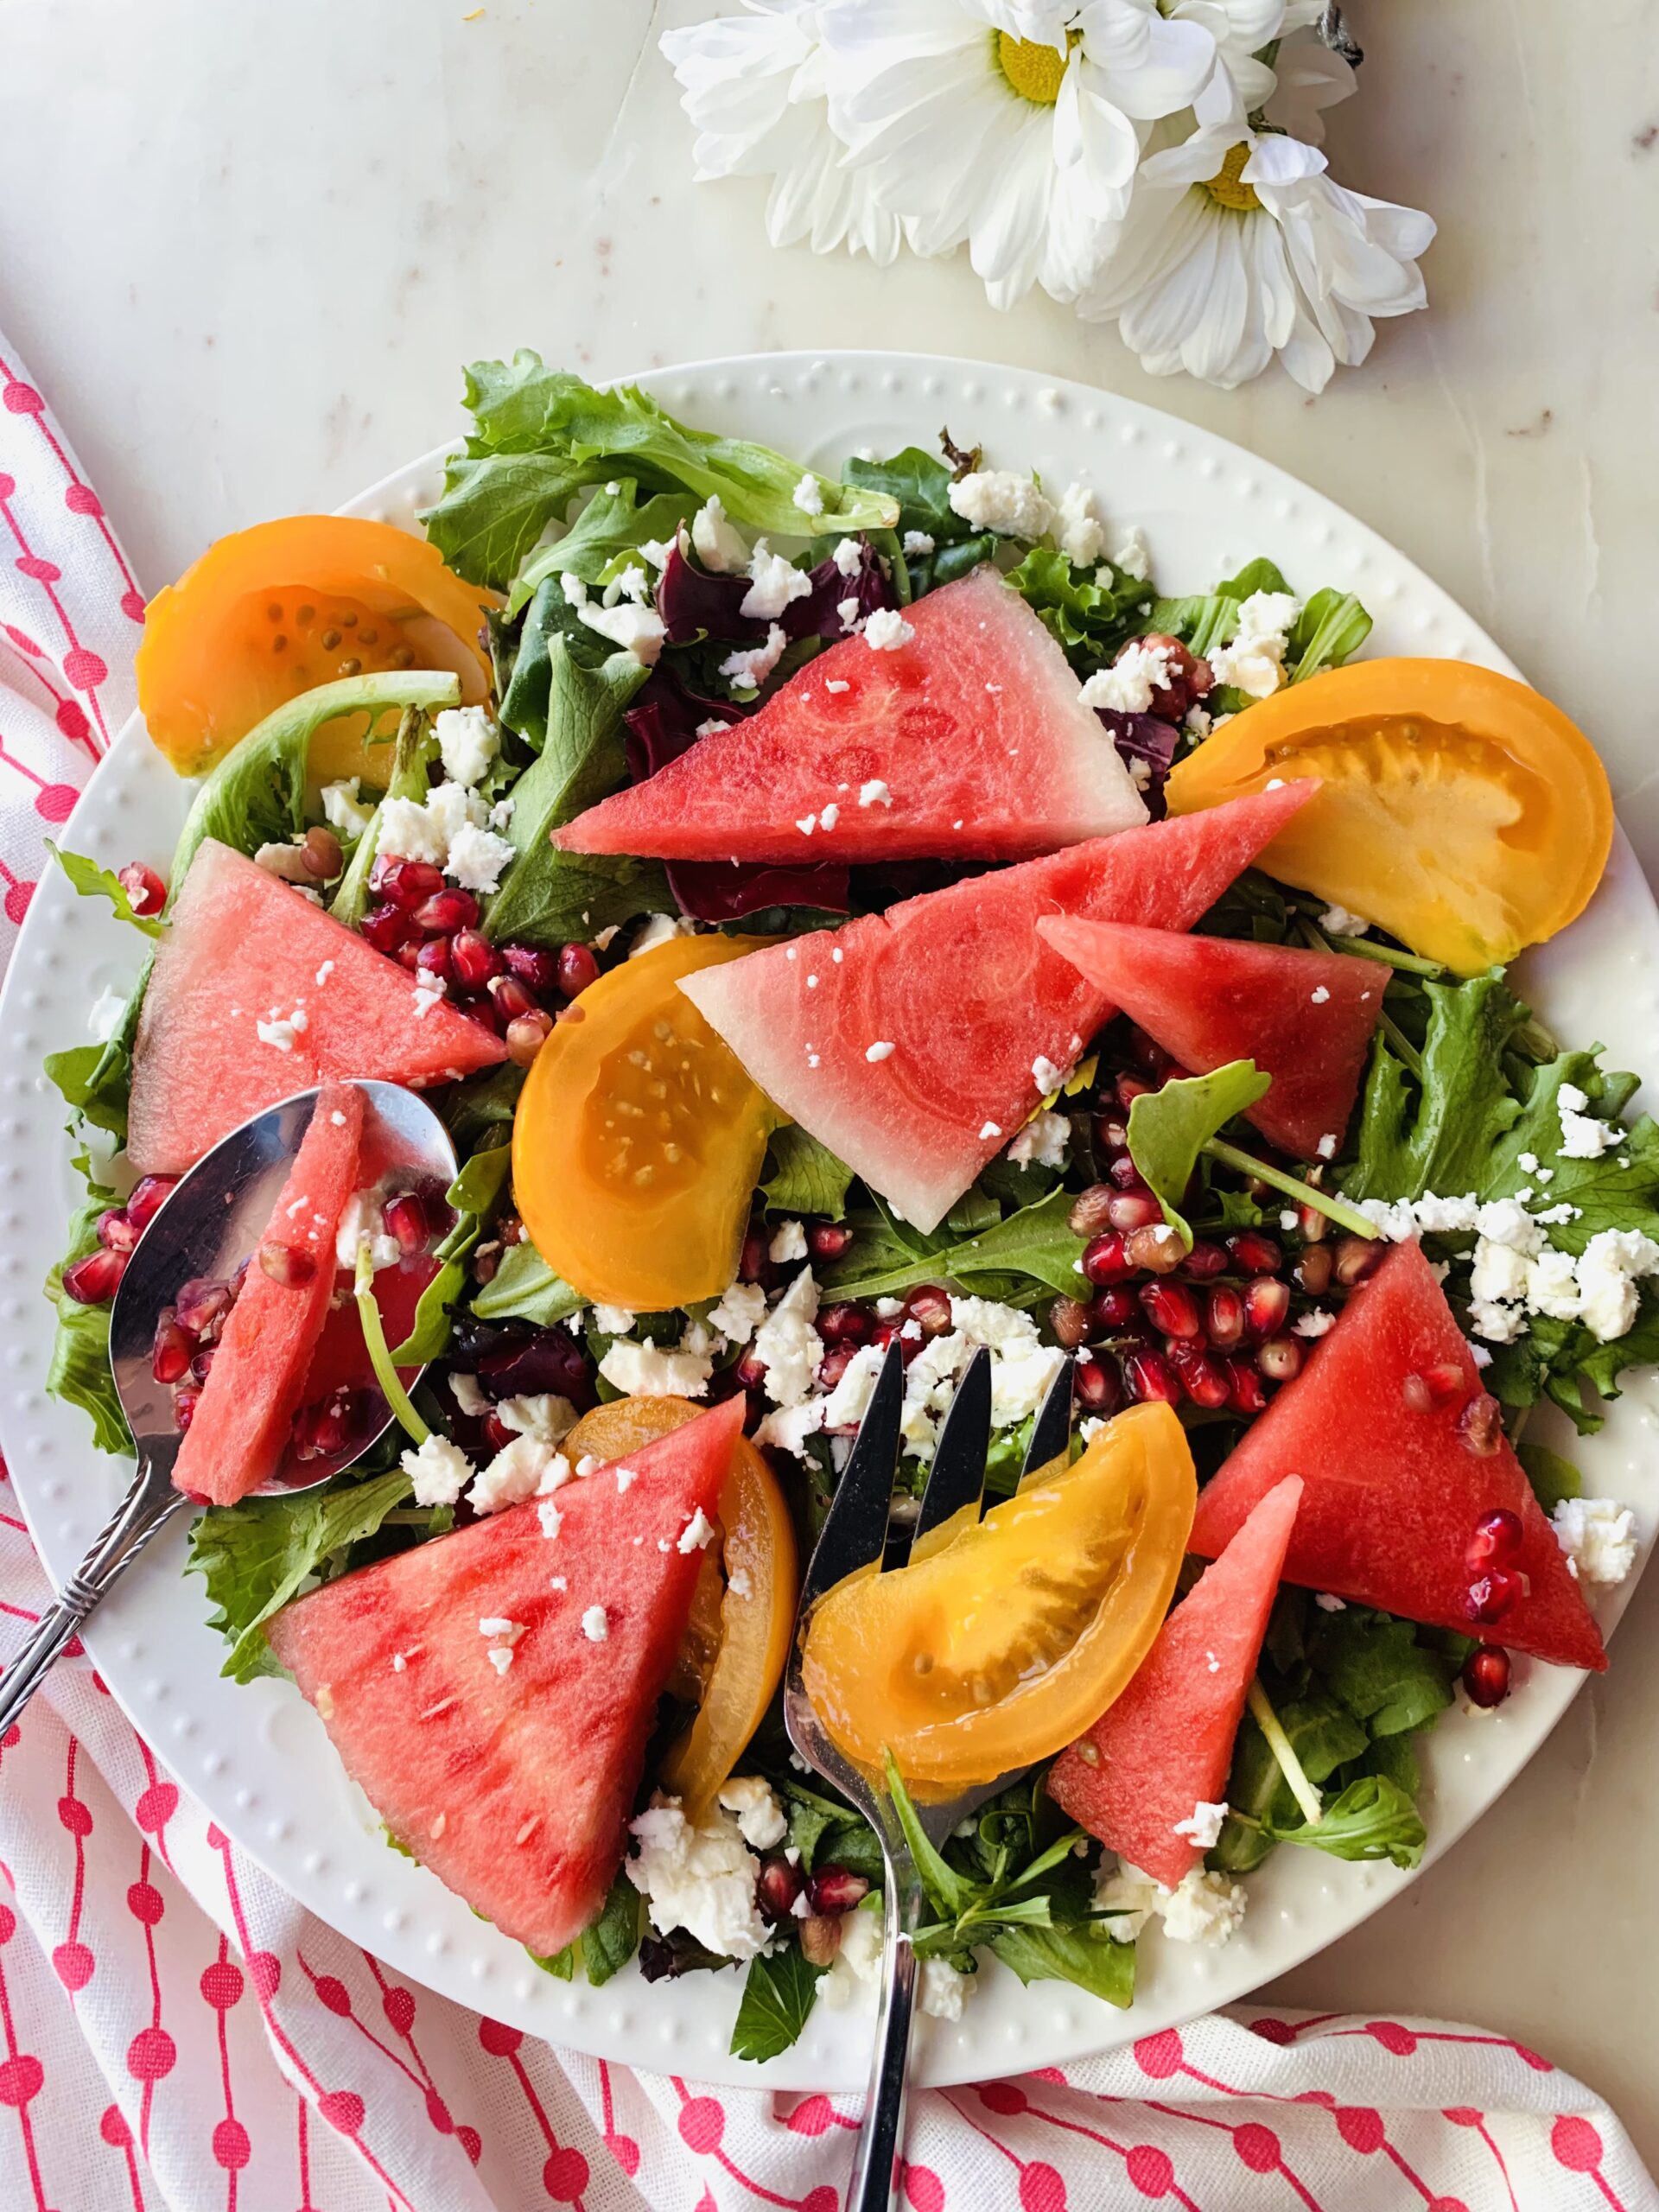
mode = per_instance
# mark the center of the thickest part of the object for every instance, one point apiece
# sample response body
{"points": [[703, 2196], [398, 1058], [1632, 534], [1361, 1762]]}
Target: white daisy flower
{"points": [[1241, 30], [1239, 245], [1014, 124], [754, 87], [1308, 78]]}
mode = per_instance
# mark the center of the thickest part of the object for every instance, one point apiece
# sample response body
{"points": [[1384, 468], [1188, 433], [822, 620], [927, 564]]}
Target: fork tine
{"points": [[958, 1480], [1051, 1432], [855, 1527]]}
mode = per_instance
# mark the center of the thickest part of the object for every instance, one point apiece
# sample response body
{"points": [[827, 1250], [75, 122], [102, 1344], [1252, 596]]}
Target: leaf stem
{"points": [[1402, 1044], [1261, 1712], [374, 1337], [1361, 948], [1337, 1210]]}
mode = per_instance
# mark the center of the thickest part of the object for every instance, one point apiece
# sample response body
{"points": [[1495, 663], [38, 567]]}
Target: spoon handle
{"points": [[148, 1504], [876, 2182]]}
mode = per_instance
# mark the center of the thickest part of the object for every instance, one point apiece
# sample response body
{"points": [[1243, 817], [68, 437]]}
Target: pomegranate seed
{"points": [[889, 1333], [750, 1372], [497, 1435], [446, 912], [1244, 1391], [540, 970], [287, 1264], [202, 1366], [510, 998], [185, 1403], [1203, 1379], [1223, 1318], [474, 958], [577, 969], [1097, 1386], [146, 1199], [776, 1888], [170, 1355], [115, 1230], [526, 1035], [95, 1280], [1131, 1087], [1148, 1378], [843, 1324], [1486, 1676], [1444, 1381], [432, 958], [820, 1939], [1132, 1209], [754, 1264], [930, 1305], [1312, 1272], [1105, 1258], [407, 884], [1144, 1051], [1090, 1211], [408, 956], [835, 1363], [201, 1306], [1491, 1595], [1481, 1424], [1253, 1253], [1071, 1319], [146, 892], [1355, 1258], [1124, 1175], [1116, 1309], [1267, 1303], [406, 1220], [327, 1428], [321, 856], [1498, 1538], [1111, 1134], [1280, 1359], [829, 1240], [1206, 1261], [1171, 1308], [835, 1889], [386, 928], [509, 1229], [1156, 1248], [1313, 1225]]}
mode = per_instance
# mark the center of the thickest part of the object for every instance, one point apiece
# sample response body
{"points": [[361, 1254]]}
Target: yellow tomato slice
{"points": [[731, 1658], [270, 612], [639, 1138], [1458, 808], [996, 1650]]}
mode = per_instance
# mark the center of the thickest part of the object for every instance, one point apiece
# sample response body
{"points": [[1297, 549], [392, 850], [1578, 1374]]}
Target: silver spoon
{"points": [[210, 1223]]}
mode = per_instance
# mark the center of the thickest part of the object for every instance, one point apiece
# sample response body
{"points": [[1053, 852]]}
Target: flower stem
{"points": [[1337, 1210], [374, 1337], [1261, 1712]]}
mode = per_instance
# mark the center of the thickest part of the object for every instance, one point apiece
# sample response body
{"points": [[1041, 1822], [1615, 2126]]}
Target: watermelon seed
{"points": [[527, 1830], [1481, 1424], [442, 1820], [1086, 1752], [432, 1713]]}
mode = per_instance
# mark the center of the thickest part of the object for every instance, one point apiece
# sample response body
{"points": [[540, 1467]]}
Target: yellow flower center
{"points": [[1226, 187], [1035, 71]]}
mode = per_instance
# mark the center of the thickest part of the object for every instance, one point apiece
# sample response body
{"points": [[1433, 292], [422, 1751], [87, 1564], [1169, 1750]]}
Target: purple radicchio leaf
{"points": [[694, 604], [1149, 740]]}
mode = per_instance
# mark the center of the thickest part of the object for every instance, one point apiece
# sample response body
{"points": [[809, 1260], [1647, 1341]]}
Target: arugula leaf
{"points": [[474, 1194], [1324, 1734], [1372, 1819], [562, 1965], [475, 1110], [612, 522], [804, 1177], [257, 794], [779, 1994], [1376, 1667], [79, 1372], [920, 484], [524, 1289], [1030, 1251], [947, 1891], [1087, 1954], [573, 716], [1330, 630], [1169, 1128], [609, 1941], [255, 1556], [813, 1818], [416, 749], [540, 434], [91, 881]]}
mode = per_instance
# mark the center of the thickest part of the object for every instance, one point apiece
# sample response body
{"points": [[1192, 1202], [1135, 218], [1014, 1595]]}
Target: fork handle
{"points": [[878, 2164]]}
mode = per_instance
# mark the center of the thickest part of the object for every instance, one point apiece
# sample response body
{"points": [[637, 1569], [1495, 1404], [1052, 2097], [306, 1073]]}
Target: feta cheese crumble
{"points": [[886, 630], [788, 1240], [1203, 1825], [343, 809], [594, 1626], [1078, 527], [1597, 1536], [640, 1370], [760, 1816], [916, 545], [467, 742], [700, 1877], [1206, 1908], [874, 793], [717, 545], [774, 583], [809, 495], [749, 669], [439, 1469], [740, 1310], [787, 1345], [1253, 660], [1337, 921], [479, 858], [1047, 1077], [515, 1472], [1127, 686], [879, 1051], [997, 499], [1042, 1142]]}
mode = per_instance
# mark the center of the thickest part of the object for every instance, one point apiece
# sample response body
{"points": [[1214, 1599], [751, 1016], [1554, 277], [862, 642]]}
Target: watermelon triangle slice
{"points": [[1163, 1748], [1305, 1018], [244, 950], [516, 1787], [914, 1043], [240, 1430], [969, 739], [1393, 1492]]}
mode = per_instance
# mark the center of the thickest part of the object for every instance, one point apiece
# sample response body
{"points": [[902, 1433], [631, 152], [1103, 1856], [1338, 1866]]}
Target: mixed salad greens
{"points": [[621, 544]]}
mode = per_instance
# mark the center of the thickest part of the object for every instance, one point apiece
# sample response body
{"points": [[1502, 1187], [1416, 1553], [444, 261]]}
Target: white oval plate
{"points": [[256, 1756]]}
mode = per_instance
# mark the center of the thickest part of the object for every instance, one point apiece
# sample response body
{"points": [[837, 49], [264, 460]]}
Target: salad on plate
{"points": [[830, 914]]}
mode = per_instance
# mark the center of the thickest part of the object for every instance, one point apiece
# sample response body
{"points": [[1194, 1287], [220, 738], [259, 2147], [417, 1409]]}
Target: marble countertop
{"points": [[245, 254]]}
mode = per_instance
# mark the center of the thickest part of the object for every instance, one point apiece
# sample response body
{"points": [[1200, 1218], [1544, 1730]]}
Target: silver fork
{"points": [[854, 1533]]}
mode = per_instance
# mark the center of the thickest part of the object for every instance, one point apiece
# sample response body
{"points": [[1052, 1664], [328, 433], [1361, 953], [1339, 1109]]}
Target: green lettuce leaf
{"points": [[1030, 1252], [541, 434], [524, 1289], [612, 522], [91, 881], [1330, 630], [474, 1194], [1168, 1128], [609, 1941], [413, 754], [779, 1994], [804, 1176], [78, 1371], [1090, 618]]}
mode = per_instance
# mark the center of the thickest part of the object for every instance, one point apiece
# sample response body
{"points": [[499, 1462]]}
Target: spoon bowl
{"points": [[210, 1223]]}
